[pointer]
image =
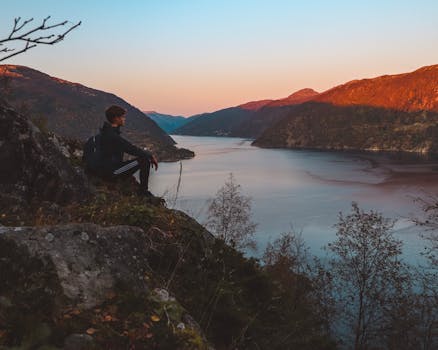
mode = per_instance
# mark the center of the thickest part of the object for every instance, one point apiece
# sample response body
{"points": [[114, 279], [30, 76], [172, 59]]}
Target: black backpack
{"points": [[92, 156]]}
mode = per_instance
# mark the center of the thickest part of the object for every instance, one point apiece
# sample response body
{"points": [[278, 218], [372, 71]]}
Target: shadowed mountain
{"points": [[388, 113], [273, 112], [325, 126], [245, 120], [76, 111], [220, 123], [166, 122]]}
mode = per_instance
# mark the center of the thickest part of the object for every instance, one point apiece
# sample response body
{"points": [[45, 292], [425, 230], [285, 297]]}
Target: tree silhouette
{"points": [[368, 274], [30, 37], [229, 216]]}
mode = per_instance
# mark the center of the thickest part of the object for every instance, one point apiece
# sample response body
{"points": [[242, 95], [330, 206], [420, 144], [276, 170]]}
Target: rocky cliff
{"points": [[100, 268], [34, 168], [388, 113], [82, 286]]}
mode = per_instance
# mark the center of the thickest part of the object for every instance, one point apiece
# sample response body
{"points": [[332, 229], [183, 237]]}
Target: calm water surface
{"points": [[303, 189]]}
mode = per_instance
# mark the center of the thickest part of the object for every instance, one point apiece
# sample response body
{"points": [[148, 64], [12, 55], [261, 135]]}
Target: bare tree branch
{"points": [[6, 50], [29, 37]]}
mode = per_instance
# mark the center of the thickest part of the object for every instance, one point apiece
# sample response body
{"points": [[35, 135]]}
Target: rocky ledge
{"points": [[33, 167], [73, 284], [88, 264]]}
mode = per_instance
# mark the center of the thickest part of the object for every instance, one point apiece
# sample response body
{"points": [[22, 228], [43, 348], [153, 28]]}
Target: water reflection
{"points": [[304, 188]]}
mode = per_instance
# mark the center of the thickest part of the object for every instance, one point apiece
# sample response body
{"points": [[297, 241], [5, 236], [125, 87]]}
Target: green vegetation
{"points": [[286, 301], [237, 302]]}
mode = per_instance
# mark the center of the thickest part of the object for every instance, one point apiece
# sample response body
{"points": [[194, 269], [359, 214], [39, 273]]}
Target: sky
{"points": [[185, 57]]}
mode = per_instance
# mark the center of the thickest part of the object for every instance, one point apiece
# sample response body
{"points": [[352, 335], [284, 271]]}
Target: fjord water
{"points": [[300, 188]]}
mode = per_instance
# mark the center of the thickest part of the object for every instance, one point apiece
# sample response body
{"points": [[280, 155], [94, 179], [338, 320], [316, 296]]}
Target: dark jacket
{"points": [[113, 146]]}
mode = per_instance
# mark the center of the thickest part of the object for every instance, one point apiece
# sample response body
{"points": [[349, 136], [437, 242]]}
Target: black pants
{"points": [[129, 167]]}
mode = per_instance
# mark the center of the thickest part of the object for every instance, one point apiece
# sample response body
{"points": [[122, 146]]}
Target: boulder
{"points": [[83, 285], [86, 261]]}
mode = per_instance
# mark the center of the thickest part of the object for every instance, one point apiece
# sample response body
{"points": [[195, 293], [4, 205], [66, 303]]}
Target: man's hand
{"points": [[154, 162]]}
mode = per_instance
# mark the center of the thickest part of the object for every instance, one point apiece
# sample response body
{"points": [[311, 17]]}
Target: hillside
{"points": [[387, 113], [297, 97], [273, 112], [87, 265], [75, 111], [246, 120], [409, 92], [220, 123], [166, 122]]}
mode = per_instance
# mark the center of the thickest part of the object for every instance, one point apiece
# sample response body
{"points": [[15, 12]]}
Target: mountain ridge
{"points": [[166, 122], [386, 113], [239, 121], [420, 84], [76, 111]]}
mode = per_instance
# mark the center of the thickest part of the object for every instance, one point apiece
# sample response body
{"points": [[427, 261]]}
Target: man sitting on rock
{"points": [[113, 146]]}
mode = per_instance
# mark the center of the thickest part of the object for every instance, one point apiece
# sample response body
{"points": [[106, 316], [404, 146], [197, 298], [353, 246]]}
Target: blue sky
{"points": [[192, 56]]}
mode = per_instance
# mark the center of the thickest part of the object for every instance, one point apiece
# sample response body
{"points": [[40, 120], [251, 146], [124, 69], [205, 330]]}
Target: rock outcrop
{"points": [[86, 261], [59, 277], [33, 167], [137, 278]]}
